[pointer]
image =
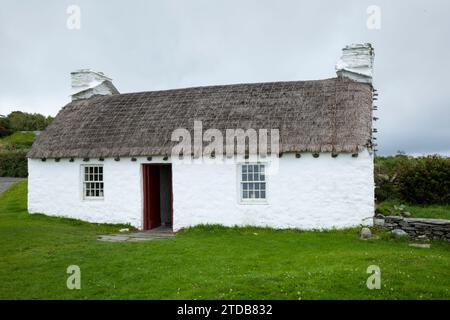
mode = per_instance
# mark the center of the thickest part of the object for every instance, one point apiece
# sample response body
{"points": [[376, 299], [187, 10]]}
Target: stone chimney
{"points": [[356, 62], [87, 83]]}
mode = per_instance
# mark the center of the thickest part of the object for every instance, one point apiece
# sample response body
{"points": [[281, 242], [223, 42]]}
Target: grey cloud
{"points": [[151, 45]]}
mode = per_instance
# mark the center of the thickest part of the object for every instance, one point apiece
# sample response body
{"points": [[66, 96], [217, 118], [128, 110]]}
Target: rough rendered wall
{"points": [[55, 188], [306, 193]]}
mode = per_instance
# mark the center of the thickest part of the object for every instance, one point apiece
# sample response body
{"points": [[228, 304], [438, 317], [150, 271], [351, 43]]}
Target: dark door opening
{"points": [[157, 195]]}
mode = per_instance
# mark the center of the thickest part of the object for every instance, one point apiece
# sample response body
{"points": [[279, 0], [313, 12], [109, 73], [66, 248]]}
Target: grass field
{"points": [[208, 262], [18, 140], [432, 211]]}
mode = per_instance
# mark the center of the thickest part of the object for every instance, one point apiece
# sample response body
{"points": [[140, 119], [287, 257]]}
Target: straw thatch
{"points": [[332, 115]]}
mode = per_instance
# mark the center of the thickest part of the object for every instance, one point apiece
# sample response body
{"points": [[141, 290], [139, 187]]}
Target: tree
{"points": [[23, 121]]}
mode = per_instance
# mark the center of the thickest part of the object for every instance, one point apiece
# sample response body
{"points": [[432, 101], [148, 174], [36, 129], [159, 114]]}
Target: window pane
{"points": [[93, 177], [253, 185]]}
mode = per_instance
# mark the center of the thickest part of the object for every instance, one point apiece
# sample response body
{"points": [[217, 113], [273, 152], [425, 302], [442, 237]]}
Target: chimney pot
{"points": [[87, 83], [356, 62]]}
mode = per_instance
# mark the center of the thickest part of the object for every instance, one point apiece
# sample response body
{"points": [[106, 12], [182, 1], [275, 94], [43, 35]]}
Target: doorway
{"points": [[158, 212]]}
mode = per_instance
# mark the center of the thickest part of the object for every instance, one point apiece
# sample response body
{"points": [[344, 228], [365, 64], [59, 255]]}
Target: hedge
{"points": [[13, 164], [423, 180]]}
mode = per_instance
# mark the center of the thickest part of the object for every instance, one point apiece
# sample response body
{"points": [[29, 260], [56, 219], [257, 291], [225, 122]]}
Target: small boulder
{"points": [[365, 233], [124, 230], [378, 222], [399, 233], [406, 214], [420, 245], [423, 237]]}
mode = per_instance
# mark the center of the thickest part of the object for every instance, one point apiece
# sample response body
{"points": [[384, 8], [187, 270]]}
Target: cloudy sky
{"points": [[149, 45]]}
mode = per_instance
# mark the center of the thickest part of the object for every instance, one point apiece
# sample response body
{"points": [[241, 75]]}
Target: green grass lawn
{"points": [[432, 211], [208, 262]]}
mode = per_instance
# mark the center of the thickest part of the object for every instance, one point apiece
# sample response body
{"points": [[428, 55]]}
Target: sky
{"points": [[152, 45]]}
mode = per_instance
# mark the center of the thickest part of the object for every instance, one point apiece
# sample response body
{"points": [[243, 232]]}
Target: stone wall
{"points": [[416, 228]]}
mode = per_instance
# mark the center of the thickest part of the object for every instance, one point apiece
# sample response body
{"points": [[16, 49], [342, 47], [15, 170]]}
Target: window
{"points": [[253, 182], [93, 181]]}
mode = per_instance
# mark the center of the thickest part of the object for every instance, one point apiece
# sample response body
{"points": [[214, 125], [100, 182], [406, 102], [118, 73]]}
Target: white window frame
{"points": [[84, 182], [240, 186]]}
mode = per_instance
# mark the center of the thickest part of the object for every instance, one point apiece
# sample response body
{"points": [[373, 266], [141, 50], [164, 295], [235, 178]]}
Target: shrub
{"points": [[425, 180], [23, 121], [386, 177], [13, 164], [4, 131]]}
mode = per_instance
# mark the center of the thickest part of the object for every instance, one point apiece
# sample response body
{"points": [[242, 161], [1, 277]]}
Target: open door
{"points": [[157, 195]]}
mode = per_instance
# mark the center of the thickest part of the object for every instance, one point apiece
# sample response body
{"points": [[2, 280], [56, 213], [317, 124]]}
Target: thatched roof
{"points": [[333, 115]]}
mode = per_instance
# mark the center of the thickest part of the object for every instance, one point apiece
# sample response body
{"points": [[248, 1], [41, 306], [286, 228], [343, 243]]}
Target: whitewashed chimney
{"points": [[356, 62], [87, 83]]}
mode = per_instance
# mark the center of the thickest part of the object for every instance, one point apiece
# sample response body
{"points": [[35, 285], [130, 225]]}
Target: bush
{"points": [[425, 180], [23, 121], [4, 131], [386, 177], [13, 164]]}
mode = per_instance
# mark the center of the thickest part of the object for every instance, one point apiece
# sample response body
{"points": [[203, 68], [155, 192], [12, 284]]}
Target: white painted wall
{"points": [[306, 193], [55, 188]]}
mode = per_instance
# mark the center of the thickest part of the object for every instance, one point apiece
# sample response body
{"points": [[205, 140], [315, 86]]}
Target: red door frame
{"points": [[151, 194]]}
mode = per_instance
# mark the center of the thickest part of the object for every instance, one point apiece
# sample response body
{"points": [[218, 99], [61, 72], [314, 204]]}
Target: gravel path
{"points": [[6, 182]]}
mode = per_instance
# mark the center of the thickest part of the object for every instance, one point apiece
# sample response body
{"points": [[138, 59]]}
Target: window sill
{"points": [[94, 199], [254, 202]]}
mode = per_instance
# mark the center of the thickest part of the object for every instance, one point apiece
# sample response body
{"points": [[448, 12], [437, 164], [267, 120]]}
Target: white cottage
{"points": [[109, 157]]}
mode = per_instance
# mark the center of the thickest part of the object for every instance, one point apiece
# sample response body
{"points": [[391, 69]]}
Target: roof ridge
{"points": [[231, 85]]}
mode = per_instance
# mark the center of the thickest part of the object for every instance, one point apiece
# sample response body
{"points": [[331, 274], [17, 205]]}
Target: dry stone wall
{"points": [[416, 228]]}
